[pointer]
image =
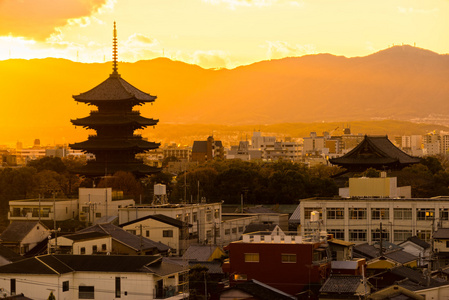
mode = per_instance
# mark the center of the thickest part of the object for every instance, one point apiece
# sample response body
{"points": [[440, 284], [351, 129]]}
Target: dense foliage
{"points": [[257, 182]]}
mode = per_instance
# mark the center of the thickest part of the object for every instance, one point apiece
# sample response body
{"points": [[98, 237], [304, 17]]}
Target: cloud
{"points": [[235, 3], [39, 19], [211, 59], [280, 49]]}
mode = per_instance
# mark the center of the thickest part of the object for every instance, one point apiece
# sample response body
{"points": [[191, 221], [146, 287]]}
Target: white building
{"points": [[43, 209], [375, 201], [95, 203], [205, 218], [108, 277]]}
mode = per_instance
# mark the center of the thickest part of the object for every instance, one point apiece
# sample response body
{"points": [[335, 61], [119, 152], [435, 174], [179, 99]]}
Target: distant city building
{"points": [[207, 150]]}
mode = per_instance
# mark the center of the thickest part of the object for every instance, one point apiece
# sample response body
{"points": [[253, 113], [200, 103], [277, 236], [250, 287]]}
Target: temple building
{"points": [[115, 144], [376, 152]]}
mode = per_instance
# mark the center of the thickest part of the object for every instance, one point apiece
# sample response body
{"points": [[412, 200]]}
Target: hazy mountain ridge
{"points": [[402, 83]]}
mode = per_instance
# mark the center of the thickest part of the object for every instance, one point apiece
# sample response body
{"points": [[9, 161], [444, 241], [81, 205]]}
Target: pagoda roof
{"points": [[95, 169], [96, 119], [115, 88], [375, 151], [114, 144]]}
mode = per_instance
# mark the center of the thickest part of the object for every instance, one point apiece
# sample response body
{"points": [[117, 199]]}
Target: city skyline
{"points": [[217, 33]]}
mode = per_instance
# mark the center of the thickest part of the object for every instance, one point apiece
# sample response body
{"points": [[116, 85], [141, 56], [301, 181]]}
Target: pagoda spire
{"points": [[114, 53]]}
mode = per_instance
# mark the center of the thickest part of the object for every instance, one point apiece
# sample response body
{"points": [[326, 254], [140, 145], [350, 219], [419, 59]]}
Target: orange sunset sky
{"points": [[217, 33]]}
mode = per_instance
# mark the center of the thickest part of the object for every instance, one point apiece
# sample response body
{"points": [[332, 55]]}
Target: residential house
{"points": [[71, 277], [22, 236], [441, 246], [205, 218], [416, 246], [164, 229], [106, 239]]}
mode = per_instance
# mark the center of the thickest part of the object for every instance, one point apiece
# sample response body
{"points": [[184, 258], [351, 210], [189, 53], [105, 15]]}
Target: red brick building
{"points": [[290, 263]]}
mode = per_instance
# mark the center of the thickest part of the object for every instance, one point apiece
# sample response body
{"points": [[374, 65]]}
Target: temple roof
{"points": [[375, 151], [115, 88], [96, 119], [113, 144]]}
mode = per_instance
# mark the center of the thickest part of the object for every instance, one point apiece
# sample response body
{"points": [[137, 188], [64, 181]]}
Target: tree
{"points": [[125, 182], [48, 163]]}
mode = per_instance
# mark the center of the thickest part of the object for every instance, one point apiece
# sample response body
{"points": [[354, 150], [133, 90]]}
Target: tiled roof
{"points": [[401, 256], [441, 233], [161, 218], [258, 210], [17, 230], [95, 168], [95, 143], [114, 88], [296, 215], [133, 241], [255, 227], [114, 119], [261, 291], [199, 253], [375, 150], [85, 236], [416, 240], [341, 284], [8, 254], [60, 264]]}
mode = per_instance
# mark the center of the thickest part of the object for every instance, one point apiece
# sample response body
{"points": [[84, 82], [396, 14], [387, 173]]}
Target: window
{"points": [[209, 216], [424, 235], [209, 234], [194, 217], [227, 231], [13, 286], [380, 213], [85, 209], [356, 213], [234, 230], [444, 214], [117, 287], [375, 235], [402, 235], [83, 250], [425, 214], [167, 233], [86, 292], [336, 213], [217, 214], [308, 212], [94, 249], [240, 277], [240, 228], [65, 286], [288, 258], [357, 235], [103, 247], [251, 257], [402, 213], [338, 233], [97, 215], [147, 233]]}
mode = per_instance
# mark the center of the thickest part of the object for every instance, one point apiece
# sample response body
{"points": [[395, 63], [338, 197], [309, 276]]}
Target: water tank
{"points": [[314, 216], [160, 189]]}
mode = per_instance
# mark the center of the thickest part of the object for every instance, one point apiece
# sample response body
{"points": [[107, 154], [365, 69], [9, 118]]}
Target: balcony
{"points": [[17, 215], [170, 292]]}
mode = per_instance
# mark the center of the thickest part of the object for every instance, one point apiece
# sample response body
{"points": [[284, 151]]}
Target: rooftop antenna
{"points": [[114, 52]]}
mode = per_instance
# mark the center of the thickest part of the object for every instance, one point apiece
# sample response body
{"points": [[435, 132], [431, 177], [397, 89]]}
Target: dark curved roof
{"points": [[375, 151], [93, 144], [95, 120], [114, 88]]}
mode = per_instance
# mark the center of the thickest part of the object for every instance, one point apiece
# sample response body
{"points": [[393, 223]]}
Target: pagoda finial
{"points": [[114, 52]]}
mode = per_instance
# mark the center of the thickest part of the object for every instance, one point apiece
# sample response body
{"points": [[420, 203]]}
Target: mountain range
{"points": [[402, 83]]}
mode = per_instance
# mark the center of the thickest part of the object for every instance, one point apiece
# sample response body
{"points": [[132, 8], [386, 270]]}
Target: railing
{"points": [[166, 292]]}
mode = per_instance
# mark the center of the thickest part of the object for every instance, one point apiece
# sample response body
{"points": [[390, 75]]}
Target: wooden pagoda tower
{"points": [[115, 145]]}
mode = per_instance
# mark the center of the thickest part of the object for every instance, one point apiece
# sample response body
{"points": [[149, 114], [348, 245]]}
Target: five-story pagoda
{"points": [[115, 145]]}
